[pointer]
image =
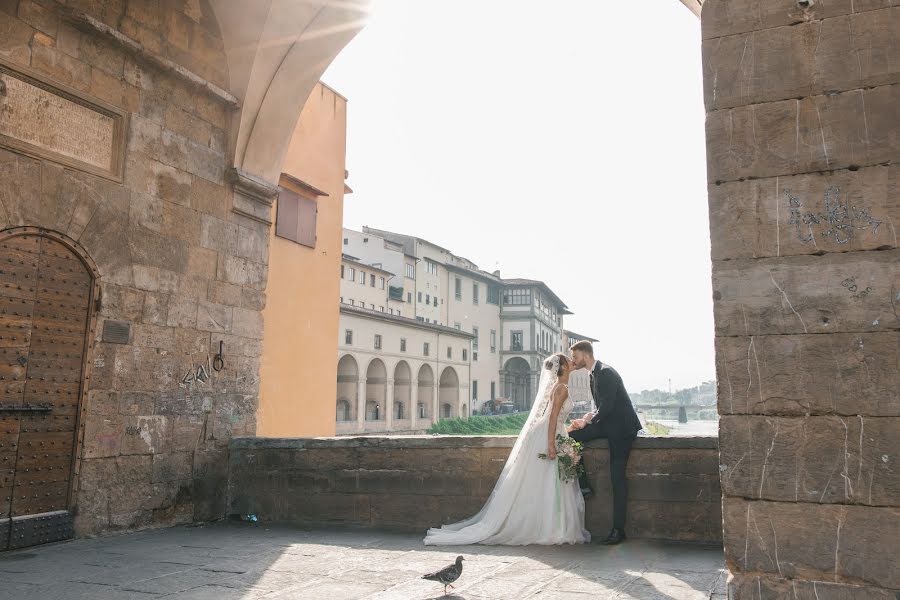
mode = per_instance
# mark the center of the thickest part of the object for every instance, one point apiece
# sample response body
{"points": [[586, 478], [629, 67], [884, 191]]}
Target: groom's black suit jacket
{"points": [[615, 415]]}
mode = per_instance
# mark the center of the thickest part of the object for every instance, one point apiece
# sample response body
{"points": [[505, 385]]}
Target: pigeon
{"points": [[448, 574]]}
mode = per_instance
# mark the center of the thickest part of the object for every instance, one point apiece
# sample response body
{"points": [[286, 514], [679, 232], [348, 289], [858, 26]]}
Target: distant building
{"points": [[510, 324], [572, 338]]}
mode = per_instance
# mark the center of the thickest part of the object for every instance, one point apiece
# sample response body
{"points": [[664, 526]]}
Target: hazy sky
{"points": [[557, 140]]}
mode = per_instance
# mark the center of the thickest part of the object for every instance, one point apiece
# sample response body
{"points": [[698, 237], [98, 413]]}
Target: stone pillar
{"points": [[801, 101], [413, 403], [436, 401], [389, 405], [361, 405]]}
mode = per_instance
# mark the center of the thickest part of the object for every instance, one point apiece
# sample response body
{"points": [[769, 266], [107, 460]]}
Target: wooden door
{"points": [[45, 296]]}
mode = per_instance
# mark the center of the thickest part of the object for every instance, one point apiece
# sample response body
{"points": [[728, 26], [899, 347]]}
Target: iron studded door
{"points": [[45, 293]]}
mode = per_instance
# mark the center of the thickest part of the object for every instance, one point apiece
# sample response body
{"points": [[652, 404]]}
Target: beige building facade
{"points": [[513, 323], [398, 374]]}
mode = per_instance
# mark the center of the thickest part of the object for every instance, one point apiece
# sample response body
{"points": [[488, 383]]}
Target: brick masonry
{"points": [[175, 262], [416, 482], [802, 119]]}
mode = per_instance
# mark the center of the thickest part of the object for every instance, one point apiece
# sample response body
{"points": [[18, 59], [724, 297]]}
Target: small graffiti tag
{"points": [[853, 288], [198, 374], [839, 220], [132, 430]]}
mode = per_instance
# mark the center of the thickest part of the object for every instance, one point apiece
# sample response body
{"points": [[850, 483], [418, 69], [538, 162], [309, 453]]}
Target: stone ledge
{"points": [[449, 441]]}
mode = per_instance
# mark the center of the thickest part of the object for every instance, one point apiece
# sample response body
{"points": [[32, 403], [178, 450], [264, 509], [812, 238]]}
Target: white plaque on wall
{"points": [[49, 120]]}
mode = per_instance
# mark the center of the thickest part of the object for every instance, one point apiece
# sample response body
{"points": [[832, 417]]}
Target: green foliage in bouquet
{"points": [[568, 457]]}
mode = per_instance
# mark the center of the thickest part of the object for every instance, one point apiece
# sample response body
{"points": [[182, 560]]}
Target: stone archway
{"points": [[402, 392], [376, 391], [517, 383], [425, 395], [448, 395], [347, 389]]}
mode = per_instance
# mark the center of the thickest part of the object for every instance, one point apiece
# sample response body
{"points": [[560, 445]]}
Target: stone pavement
{"points": [[240, 561]]}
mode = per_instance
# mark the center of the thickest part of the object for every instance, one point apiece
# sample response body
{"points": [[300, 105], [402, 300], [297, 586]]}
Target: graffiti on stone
{"points": [[196, 374], [858, 292], [838, 220]]}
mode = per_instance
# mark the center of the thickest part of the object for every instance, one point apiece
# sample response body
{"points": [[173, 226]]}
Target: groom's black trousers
{"points": [[619, 449]]}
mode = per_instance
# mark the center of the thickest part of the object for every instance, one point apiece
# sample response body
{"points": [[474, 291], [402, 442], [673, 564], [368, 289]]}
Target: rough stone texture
{"points": [[241, 561], [802, 111], [153, 431], [412, 483]]}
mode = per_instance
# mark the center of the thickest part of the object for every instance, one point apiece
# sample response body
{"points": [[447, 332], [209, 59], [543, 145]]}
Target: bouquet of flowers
{"points": [[568, 456]]}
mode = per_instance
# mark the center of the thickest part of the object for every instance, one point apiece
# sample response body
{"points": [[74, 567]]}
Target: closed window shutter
{"points": [[286, 215], [295, 218], [306, 227]]}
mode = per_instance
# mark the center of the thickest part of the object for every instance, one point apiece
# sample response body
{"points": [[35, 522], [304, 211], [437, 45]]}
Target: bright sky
{"points": [[560, 141]]}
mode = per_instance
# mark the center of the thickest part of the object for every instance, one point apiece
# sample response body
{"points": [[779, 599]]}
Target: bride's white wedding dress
{"points": [[529, 504]]}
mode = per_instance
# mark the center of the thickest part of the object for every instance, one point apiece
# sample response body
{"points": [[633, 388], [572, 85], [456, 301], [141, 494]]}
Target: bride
{"points": [[530, 504]]}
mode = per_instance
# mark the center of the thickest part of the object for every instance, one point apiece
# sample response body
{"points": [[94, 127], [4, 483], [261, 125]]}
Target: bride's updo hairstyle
{"points": [[556, 362]]}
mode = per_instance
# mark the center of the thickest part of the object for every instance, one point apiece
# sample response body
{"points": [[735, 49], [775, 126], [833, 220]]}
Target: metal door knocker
{"points": [[219, 361]]}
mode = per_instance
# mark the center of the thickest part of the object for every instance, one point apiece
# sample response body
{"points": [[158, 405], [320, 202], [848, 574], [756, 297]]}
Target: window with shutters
{"points": [[295, 218]]}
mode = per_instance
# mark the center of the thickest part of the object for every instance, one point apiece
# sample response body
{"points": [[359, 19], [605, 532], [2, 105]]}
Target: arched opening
{"points": [[464, 411], [347, 389], [425, 393], [402, 391], [517, 383], [449, 393], [376, 390], [343, 411], [48, 326]]}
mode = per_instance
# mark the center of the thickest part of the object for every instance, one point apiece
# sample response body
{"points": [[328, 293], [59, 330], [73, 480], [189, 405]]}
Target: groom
{"points": [[614, 420]]}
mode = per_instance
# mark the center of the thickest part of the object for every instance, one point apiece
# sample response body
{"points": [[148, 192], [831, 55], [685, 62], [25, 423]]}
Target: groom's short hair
{"points": [[583, 346]]}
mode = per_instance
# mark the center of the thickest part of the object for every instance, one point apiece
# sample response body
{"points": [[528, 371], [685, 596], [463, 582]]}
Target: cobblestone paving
{"points": [[238, 561]]}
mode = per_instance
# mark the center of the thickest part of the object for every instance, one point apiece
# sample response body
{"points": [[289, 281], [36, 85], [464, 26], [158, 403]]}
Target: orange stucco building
{"points": [[298, 375]]}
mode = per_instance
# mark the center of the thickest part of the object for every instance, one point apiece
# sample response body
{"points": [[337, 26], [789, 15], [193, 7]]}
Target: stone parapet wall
{"points": [[415, 482]]}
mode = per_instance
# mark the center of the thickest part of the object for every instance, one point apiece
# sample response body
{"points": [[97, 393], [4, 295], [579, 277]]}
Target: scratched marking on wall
{"points": [[839, 220], [853, 288], [198, 374]]}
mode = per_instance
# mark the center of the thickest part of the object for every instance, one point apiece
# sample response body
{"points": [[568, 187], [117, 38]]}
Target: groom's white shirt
{"points": [[596, 408]]}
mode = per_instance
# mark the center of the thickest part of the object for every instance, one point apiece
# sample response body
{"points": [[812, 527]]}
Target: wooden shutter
{"points": [[306, 227], [296, 218]]}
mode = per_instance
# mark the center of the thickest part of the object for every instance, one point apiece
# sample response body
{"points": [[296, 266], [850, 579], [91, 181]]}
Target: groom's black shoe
{"points": [[616, 536]]}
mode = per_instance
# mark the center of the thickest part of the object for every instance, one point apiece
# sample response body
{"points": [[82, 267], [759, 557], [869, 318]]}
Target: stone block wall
{"points": [[803, 114], [175, 262], [416, 482]]}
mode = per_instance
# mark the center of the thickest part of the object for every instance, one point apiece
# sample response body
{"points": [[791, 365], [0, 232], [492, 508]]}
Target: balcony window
{"points": [[517, 297], [377, 342], [474, 293], [425, 349], [515, 341], [402, 344], [348, 337], [458, 288]]}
